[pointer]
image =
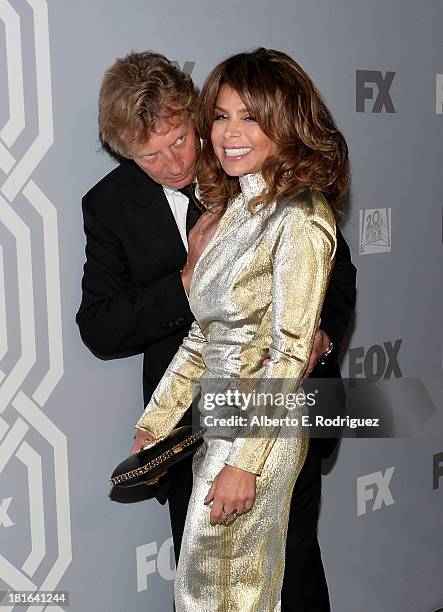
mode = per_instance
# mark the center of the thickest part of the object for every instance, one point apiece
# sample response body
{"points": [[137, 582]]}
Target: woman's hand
{"points": [[232, 489], [142, 439]]}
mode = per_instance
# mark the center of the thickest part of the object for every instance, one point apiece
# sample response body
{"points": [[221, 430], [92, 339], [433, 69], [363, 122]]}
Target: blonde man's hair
{"points": [[138, 92]]}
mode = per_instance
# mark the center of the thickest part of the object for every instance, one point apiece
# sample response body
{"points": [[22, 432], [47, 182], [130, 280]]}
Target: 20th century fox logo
{"points": [[375, 230]]}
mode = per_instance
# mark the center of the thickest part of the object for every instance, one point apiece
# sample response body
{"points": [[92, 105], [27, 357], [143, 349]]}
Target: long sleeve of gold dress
{"points": [[257, 291]]}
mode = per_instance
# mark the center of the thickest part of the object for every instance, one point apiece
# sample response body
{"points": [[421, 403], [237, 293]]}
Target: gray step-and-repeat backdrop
{"points": [[66, 418]]}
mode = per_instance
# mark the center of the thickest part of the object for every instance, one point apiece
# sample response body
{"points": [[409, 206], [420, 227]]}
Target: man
{"points": [[137, 276]]}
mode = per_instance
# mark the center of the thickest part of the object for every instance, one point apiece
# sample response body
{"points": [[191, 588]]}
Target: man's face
{"points": [[170, 154]]}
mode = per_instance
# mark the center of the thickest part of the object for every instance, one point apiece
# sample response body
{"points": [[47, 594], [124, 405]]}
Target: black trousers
{"points": [[304, 585], [178, 498]]}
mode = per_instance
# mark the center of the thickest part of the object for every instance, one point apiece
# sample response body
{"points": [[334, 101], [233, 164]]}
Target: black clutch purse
{"points": [[149, 463]]}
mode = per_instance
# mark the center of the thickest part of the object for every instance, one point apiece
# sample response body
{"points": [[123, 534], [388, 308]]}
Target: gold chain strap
{"points": [[157, 461]]}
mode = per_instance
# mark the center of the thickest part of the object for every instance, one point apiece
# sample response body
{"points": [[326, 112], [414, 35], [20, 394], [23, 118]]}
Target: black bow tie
{"points": [[195, 208]]}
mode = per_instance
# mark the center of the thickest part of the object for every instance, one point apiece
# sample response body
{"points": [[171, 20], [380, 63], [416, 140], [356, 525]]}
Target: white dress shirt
{"points": [[179, 206]]}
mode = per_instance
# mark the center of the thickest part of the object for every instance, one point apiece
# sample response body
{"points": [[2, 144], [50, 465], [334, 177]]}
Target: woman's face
{"points": [[238, 141]]}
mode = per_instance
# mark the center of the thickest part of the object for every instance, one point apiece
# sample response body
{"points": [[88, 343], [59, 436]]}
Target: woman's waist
{"points": [[233, 359]]}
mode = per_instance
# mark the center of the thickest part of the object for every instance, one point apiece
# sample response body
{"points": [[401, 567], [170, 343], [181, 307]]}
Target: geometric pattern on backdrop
{"points": [[22, 412]]}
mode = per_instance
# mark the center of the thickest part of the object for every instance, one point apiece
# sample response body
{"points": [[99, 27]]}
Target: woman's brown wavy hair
{"points": [[290, 111]]}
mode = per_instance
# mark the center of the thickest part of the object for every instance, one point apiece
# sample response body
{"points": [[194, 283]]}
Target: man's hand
{"points": [[321, 345], [232, 489], [198, 238]]}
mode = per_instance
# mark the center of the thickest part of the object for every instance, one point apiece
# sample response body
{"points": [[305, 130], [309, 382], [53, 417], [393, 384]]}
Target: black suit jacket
{"points": [[133, 299]]}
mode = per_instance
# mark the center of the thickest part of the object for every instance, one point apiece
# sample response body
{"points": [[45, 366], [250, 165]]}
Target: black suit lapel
{"points": [[154, 222]]}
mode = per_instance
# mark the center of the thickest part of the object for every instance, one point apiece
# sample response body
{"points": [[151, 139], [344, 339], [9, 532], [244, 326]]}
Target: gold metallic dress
{"points": [[257, 288]]}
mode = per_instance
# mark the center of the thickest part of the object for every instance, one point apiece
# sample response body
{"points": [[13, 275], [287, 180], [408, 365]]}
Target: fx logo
{"points": [[439, 94], [188, 67], [374, 486], [369, 83], [378, 362], [438, 469], [375, 231], [150, 561]]}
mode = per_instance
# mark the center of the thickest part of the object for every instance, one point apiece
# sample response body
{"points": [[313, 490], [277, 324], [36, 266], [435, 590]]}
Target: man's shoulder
{"points": [[116, 182], [124, 183]]}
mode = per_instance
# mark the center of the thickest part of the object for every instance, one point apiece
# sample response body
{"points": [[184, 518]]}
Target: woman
{"points": [[272, 152]]}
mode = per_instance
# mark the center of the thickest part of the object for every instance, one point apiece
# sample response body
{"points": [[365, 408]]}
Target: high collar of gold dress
{"points": [[252, 185]]}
